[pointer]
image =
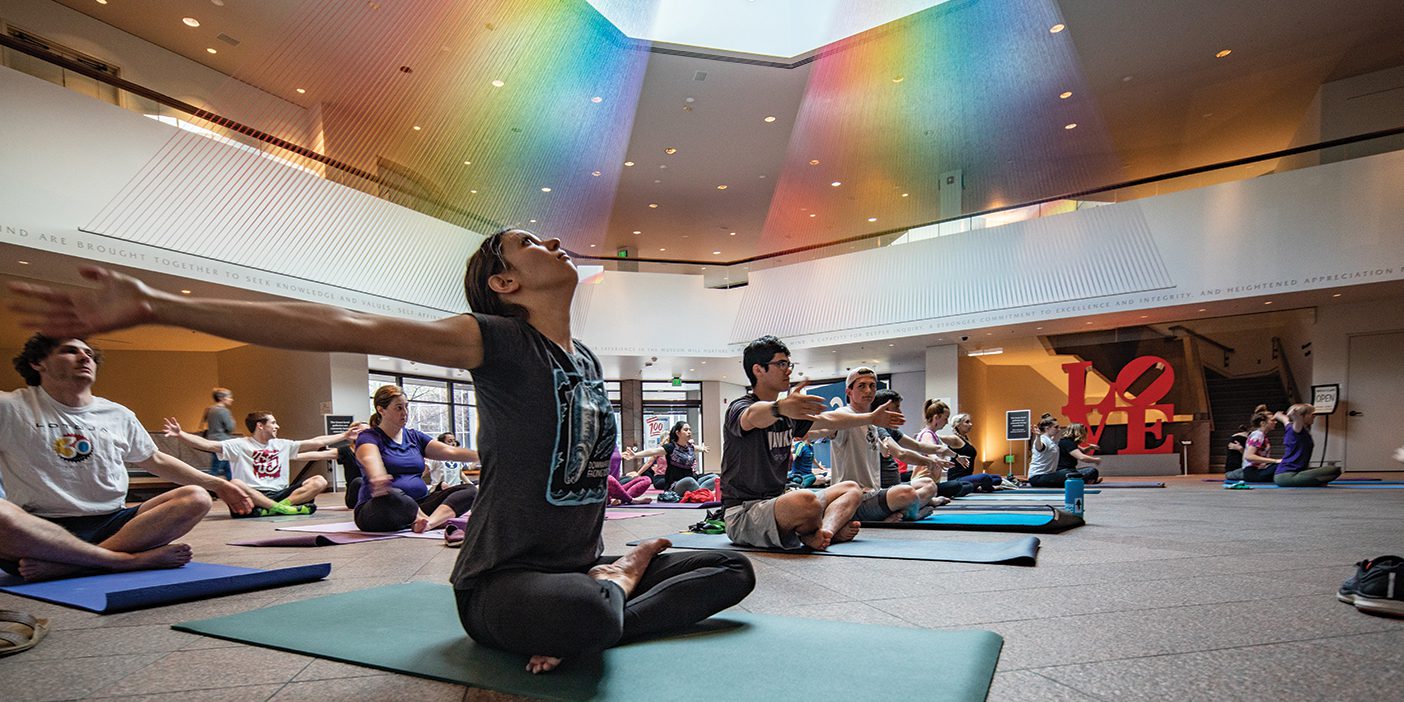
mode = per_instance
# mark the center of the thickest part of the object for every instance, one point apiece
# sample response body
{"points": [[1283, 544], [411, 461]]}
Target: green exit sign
{"points": [[677, 382], [622, 253]]}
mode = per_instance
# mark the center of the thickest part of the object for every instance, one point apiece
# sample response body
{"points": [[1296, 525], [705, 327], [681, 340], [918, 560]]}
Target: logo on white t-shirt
{"points": [[265, 463], [74, 448]]}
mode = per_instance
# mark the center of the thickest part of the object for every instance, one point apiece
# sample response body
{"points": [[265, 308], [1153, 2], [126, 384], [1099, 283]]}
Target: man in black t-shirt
{"points": [[756, 459]]}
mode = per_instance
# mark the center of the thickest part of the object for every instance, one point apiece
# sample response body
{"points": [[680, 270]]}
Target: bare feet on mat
{"points": [[542, 664], [847, 533], [819, 540], [420, 524], [641, 500], [940, 501], [169, 556], [626, 571]]}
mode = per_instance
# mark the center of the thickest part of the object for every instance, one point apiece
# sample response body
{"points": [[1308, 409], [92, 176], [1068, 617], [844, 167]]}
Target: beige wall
{"points": [[290, 384]]}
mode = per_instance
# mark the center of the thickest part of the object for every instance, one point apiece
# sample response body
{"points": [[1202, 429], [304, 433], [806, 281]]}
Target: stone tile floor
{"points": [[1189, 592]]}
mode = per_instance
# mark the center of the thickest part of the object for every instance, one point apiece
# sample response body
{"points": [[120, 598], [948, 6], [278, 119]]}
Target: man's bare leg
{"points": [[308, 491], [260, 500], [46, 550], [802, 512], [841, 502]]}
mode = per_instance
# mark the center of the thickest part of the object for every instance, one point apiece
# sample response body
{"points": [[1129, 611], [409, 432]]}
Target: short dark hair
{"points": [[887, 395], [256, 418], [760, 352], [485, 263], [38, 348]]}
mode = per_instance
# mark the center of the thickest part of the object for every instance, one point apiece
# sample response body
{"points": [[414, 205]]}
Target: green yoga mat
{"points": [[1048, 520], [413, 628]]}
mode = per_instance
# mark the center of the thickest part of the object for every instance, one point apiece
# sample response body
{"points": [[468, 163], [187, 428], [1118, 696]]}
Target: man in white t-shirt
{"points": [[62, 463], [260, 464]]}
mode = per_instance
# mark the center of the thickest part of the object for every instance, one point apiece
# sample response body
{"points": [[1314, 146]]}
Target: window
{"points": [[436, 406], [665, 404]]}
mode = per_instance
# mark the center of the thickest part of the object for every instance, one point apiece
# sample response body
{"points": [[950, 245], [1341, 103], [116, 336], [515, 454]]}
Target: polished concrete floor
{"points": [[1189, 592]]}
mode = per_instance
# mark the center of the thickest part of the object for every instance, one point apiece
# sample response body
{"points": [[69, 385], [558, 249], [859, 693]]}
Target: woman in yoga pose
{"points": [[1258, 466], [530, 578], [1293, 470], [681, 455]]}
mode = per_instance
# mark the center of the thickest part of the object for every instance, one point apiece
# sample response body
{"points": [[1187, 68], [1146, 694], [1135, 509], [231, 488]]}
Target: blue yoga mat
{"points": [[120, 592], [1048, 519], [1017, 552], [412, 628]]}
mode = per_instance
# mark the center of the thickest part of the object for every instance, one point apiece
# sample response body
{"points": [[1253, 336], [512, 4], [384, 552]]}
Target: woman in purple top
{"points": [[393, 495], [1292, 470]]}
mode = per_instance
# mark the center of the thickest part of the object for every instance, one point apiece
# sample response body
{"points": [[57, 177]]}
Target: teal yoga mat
{"points": [[413, 628], [1048, 520], [1022, 551]]}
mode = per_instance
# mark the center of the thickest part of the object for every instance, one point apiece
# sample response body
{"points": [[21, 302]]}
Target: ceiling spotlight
{"points": [[905, 194], [1057, 28], [637, 232], [836, 183], [721, 187], [662, 250], [1269, 302], [872, 219], [1127, 79], [185, 292], [1065, 95], [595, 173], [545, 190], [191, 22], [498, 84], [592, 246], [716, 253], [770, 118], [597, 99], [628, 163], [689, 100], [102, 2], [531, 221], [212, 50], [1332, 295], [653, 205], [25, 263], [467, 163], [814, 162], [670, 151], [1070, 125], [811, 214], [473, 192], [898, 79], [416, 127], [1223, 53], [302, 91], [732, 234]]}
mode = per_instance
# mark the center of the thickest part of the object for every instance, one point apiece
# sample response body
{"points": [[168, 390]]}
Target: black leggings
{"points": [[396, 511], [1058, 477], [567, 614]]}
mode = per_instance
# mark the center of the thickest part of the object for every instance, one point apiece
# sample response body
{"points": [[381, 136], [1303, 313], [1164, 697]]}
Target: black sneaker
{"points": [[1378, 586]]}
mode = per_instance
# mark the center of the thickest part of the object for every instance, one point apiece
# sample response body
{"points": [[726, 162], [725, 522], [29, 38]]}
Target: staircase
{"points": [[1231, 400]]}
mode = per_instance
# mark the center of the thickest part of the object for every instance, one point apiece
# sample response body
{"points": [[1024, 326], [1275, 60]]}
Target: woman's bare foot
{"points": [[641, 500], [847, 533], [420, 524], [819, 540], [168, 556], [626, 571], [542, 664]]}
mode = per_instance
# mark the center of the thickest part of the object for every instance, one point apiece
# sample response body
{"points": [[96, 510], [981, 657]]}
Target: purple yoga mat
{"points": [[308, 540], [670, 505]]}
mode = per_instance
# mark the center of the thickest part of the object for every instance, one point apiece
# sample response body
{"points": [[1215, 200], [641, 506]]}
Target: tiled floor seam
{"points": [[228, 687], [1060, 683]]}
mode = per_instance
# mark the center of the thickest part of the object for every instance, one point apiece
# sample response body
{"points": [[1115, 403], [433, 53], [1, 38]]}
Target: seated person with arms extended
{"points": [[756, 459], [1293, 470], [62, 465], [261, 463]]}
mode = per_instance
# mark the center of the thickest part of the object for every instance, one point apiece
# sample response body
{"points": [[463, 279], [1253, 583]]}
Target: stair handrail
{"points": [[1200, 337], [1284, 370]]}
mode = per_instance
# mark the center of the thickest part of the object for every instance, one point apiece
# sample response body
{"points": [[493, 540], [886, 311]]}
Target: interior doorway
{"points": [[1372, 402]]}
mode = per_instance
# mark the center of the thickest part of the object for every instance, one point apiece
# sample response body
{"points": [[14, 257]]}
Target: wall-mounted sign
{"points": [[1325, 397], [1135, 408]]}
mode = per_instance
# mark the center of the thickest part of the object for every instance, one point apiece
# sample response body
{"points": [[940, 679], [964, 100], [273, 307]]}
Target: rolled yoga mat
{"points": [[310, 540], [737, 653], [1017, 552], [119, 592], [1048, 520]]}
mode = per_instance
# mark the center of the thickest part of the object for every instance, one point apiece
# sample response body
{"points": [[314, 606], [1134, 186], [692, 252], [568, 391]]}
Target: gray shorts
{"points": [[753, 524], [874, 507]]}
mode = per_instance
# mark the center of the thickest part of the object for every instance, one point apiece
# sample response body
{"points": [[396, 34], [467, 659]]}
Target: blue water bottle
{"points": [[1072, 495]]}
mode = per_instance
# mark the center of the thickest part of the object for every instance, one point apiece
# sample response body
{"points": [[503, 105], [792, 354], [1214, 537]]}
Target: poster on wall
{"points": [[1325, 397]]}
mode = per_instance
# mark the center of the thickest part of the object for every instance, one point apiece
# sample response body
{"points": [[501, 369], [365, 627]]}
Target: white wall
{"points": [[1335, 324]]}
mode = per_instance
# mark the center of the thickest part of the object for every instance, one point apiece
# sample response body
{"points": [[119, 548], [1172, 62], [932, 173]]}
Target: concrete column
{"points": [[942, 376], [631, 412]]}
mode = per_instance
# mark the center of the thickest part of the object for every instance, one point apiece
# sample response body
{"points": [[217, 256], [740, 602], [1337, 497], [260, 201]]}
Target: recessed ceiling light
{"points": [[595, 173], [721, 187], [662, 249], [467, 163], [102, 2], [217, 3], [1203, 309], [473, 192], [302, 91], [872, 219], [1223, 53], [814, 162], [531, 221], [636, 232], [1145, 316], [811, 214], [498, 84], [1333, 295], [1065, 95], [416, 127], [716, 253], [545, 190], [592, 246], [905, 194], [1070, 125], [212, 50], [732, 234], [770, 118], [1057, 28], [1037, 328], [670, 151], [1269, 302], [704, 363], [628, 163], [597, 99], [836, 183], [24, 263], [653, 205], [898, 79], [1127, 79], [184, 292], [191, 22]]}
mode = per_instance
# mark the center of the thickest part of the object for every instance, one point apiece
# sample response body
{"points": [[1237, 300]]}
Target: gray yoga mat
{"points": [[1104, 485], [413, 628], [313, 539], [1022, 551]]}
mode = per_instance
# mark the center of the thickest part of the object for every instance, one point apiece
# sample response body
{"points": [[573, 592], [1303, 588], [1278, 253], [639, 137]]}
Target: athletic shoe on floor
{"points": [[1377, 586]]}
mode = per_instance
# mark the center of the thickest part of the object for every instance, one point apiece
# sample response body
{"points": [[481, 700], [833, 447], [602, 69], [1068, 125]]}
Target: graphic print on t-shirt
{"points": [[265, 463], [585, 434], [73, 447]]}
